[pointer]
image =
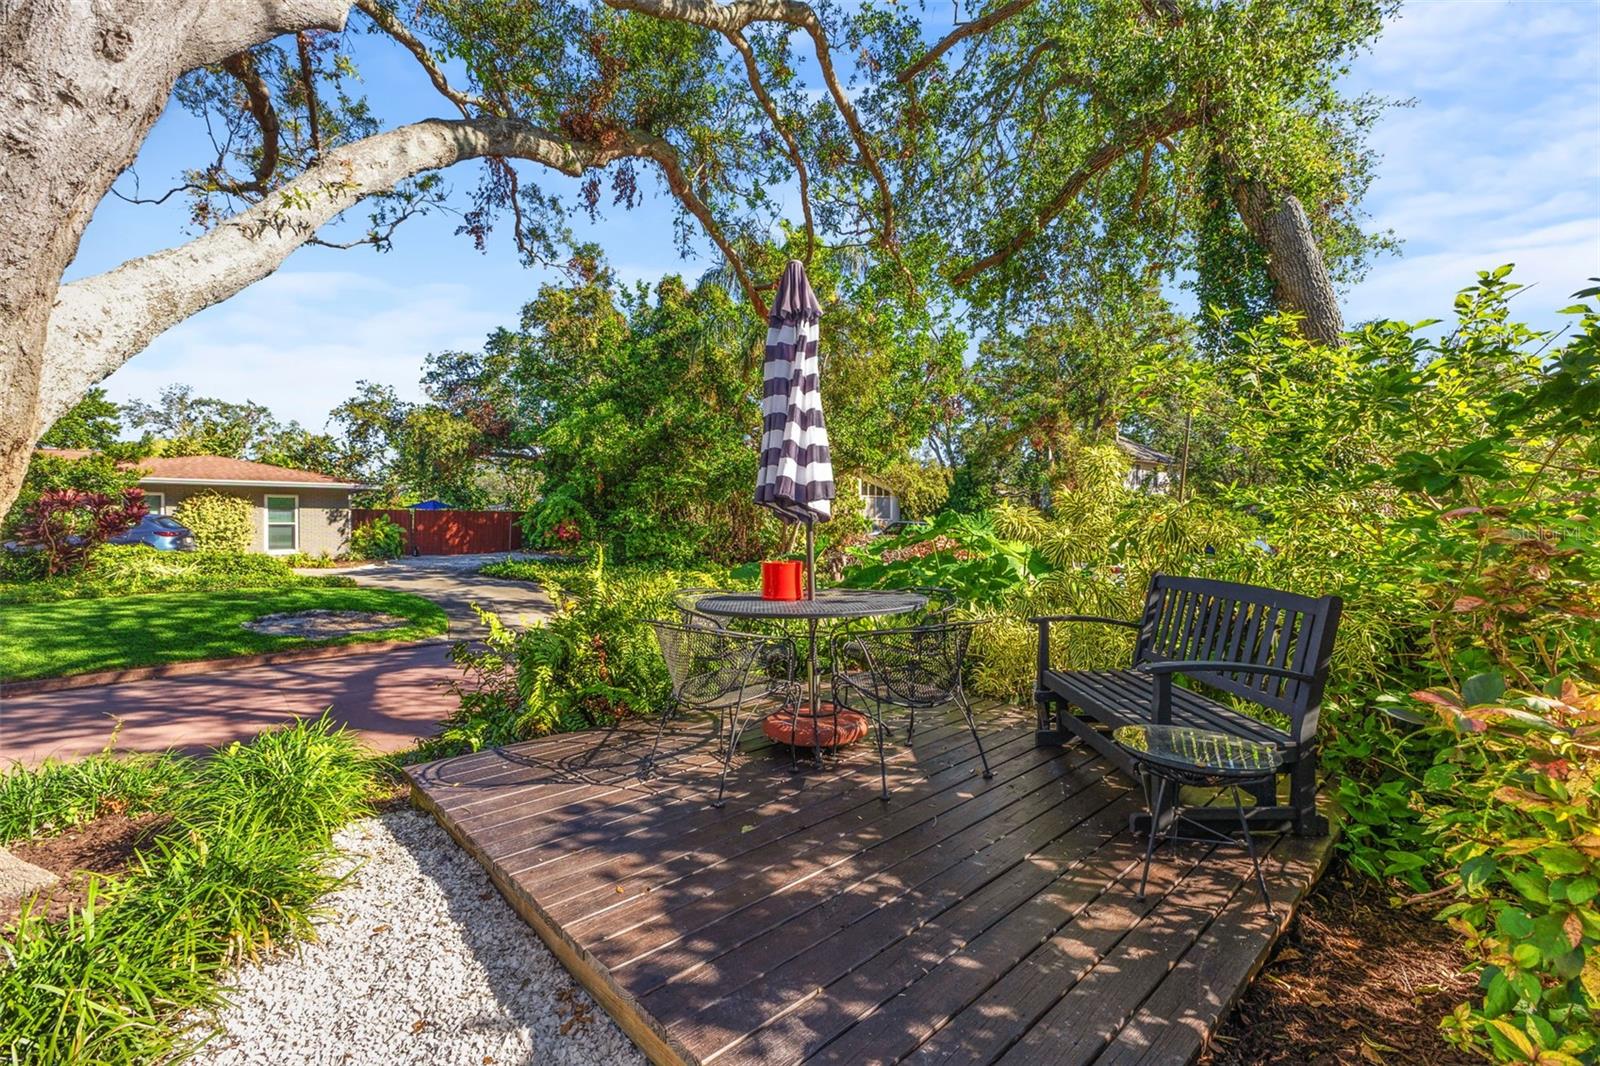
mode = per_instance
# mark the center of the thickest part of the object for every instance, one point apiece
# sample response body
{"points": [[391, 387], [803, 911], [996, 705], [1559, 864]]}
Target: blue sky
{"points": [[1498, 161]]}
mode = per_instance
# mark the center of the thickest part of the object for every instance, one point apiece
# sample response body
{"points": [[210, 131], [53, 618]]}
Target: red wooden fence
{"points": [[450, 532]]}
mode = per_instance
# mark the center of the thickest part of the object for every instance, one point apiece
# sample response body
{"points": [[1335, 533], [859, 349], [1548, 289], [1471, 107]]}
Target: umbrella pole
{"points": [[816, 695], [811, 562]]}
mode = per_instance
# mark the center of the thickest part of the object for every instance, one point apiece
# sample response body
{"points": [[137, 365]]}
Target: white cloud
{"points": [[1497, 162], [299, 340], [1554, 261]]}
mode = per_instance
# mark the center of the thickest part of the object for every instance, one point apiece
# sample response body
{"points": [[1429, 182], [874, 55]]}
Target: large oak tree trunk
{"points": [[80, 86], [1300, 280]]}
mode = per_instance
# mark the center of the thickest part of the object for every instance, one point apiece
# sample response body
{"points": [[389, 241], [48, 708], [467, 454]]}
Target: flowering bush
{"points": [[1514, 804], [66, 524]]}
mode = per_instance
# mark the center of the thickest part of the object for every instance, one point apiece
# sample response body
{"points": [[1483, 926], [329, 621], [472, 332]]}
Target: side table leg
{"points": [[1250, 843], [1155, 827]]}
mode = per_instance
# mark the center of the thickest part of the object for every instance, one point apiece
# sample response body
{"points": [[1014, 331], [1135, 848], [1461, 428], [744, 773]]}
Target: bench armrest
{"points": [[1044, 620], [1221, 666]]}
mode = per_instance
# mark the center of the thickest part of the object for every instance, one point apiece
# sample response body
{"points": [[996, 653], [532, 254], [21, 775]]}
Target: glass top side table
{"points": [[1173, 756]]}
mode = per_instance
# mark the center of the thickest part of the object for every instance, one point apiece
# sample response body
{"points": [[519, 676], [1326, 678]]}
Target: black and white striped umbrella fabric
{"points": [[796, 476]]}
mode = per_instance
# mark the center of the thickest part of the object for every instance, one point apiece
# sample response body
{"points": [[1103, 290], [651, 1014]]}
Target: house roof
{"points": [[1143, 453], [216, 470]]}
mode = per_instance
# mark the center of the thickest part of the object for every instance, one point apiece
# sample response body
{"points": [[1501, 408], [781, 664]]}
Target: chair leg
{"points": [[1303, 795], [736, 727], [648, 766], [972, 724], [883, 760], [794, 735], [1155, 828], [1250, 845], [911, 726]]}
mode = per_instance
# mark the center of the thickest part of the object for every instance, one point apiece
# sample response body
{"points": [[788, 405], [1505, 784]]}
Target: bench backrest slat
{"points": [[1198, 618]]}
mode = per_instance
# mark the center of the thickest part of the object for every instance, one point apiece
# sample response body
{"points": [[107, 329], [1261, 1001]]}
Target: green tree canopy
{"points": [[93, 423]]}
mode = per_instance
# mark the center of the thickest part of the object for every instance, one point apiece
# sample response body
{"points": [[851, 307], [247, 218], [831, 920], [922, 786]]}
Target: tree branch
{"points": [[258, 101], [1164, 123], [671, 164], [771, 109], [1137, 202], [979, 25], [100, 322], [386, 22], [308, 79], [224, 27], [733, 17]]}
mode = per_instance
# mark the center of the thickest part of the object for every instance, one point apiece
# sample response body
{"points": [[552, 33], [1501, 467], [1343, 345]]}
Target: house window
{"points": [[872, 491], [283, 523], [155, 502]]}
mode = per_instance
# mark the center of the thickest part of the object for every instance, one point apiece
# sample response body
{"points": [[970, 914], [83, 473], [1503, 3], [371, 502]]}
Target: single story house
{"points": [[1152, 470], [295, 510], [879, 501]]}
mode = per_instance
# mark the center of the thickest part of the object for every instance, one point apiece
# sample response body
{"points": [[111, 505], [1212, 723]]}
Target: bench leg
{"points": [[1049, 732], [1303, 795], [1264, 794]]}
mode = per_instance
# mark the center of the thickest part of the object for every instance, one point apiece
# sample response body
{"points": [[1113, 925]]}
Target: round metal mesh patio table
{"points": [[829, 603]]}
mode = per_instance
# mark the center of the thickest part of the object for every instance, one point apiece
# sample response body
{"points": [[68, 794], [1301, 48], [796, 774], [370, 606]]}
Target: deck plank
{"points": [[964, 920]]}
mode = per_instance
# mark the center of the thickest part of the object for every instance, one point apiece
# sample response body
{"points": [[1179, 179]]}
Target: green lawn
{"points": [[76, 636]]}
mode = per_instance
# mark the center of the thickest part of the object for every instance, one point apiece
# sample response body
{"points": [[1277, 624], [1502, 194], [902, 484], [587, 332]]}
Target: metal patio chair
{"points": [[941, 601], [910, 667], [721, 671], [687, 603]]}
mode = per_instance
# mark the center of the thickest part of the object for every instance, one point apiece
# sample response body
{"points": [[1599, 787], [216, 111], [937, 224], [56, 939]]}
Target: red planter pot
{"points": [[783, 580]]}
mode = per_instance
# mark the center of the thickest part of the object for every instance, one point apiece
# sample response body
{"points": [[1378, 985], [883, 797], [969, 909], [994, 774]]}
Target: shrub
{"points": [[306, 561], [558, 520], [219, 522], [1513, 800], [591, 665], [66, 524], [381, 538], [127, 570], [105, 474]]}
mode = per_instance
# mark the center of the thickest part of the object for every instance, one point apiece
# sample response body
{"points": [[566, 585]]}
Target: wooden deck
{"points": [[962, 921]]}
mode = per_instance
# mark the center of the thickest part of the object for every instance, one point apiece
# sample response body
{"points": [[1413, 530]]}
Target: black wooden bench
{"points": [[1264, 646]]}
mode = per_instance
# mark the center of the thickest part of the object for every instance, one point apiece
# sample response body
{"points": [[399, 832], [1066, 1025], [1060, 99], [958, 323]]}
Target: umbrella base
{"points": [[824, 731]]}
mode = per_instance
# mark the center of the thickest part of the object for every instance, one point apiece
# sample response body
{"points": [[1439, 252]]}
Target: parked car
{"points": [[158, 532]]}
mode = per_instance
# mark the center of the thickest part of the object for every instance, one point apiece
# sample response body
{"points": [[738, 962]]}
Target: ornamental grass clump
{"points": [[238, 870], [59, 795]]}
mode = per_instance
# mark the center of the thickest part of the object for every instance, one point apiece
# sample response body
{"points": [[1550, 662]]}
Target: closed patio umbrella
{"points": [[796, 475]]}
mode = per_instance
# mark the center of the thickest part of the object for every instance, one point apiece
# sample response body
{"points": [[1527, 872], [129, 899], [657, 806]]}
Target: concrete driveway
{"points": [[452, 581], [391, 697]]}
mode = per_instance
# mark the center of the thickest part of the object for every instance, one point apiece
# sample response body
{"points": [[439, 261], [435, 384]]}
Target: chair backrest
{"points": [[704, 663], [915, 666], [1196, 618], [941, 601], [687, 602]]}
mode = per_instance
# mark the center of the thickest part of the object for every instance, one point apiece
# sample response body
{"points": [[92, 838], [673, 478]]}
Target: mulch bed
{"points": [[1353, 980], [103, 846]]}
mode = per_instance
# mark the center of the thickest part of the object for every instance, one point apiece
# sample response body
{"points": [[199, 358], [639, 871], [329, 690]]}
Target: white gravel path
{"points": [[419, 961]]}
